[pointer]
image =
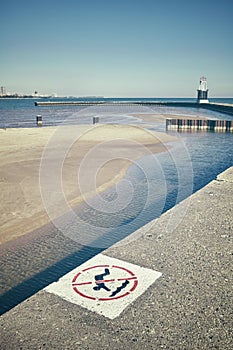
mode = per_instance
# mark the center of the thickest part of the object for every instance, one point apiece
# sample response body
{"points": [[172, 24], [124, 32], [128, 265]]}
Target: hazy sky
{"points": [[134, 48]]}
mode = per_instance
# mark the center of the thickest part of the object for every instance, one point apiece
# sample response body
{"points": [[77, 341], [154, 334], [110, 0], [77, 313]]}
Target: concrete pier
{"points": [[222, 108], [188, 307]]}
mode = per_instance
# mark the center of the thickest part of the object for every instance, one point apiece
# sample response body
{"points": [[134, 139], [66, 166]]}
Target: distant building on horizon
{"points": [[202, 92], [2, 91]]}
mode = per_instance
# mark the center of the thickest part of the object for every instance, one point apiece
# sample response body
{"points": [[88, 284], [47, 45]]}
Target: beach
{"points": [[22, 150]]}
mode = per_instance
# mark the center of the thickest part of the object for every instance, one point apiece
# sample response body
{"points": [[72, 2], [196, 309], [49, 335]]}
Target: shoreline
{"points": [[22, 150]]}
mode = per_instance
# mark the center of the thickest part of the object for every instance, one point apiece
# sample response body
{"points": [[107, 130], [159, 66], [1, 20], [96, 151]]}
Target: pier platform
{"points": [[173, 287]]}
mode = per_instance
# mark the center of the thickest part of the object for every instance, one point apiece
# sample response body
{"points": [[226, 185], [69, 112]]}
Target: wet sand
{"points": [[22, 209]]}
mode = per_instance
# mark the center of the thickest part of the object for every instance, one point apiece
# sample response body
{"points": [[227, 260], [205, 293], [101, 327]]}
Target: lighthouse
{"points": [[202, 92]]}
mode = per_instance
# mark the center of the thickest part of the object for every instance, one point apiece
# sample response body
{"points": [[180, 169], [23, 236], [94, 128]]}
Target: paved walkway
{"points": [[187, 307]]}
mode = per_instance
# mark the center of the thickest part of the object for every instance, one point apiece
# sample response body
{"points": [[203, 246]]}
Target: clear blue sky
{"points": [[138, 48]]}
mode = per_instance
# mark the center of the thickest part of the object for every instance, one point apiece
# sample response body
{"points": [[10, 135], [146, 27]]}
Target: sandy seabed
{"points": [[22, 149]]}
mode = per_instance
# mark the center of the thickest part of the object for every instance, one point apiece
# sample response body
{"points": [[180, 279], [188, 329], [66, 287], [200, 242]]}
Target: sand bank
{"points": [[22, 208]]}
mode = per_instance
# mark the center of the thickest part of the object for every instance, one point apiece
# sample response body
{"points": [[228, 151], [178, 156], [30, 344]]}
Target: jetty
{"points": [[217, 107]]}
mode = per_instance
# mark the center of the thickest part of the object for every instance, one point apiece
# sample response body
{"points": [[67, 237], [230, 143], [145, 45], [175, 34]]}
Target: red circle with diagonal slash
{"points": [[76, 282]]}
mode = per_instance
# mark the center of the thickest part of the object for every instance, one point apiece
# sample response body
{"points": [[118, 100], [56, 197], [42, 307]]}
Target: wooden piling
{"points": [[95, 120], [199, 125], [39, 120]]}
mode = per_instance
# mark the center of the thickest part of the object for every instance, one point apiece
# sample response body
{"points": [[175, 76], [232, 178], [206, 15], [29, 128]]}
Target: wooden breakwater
{"points": [[199, 125]]}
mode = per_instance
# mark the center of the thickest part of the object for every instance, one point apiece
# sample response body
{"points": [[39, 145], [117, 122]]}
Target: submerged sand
{"points": [[22, 209]]}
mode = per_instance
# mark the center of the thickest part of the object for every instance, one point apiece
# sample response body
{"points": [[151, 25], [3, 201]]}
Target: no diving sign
{"points": [[94, 281], [104, 285]]}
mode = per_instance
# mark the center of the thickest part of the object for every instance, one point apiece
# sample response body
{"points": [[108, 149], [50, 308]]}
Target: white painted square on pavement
{"points": [[104, 285]]}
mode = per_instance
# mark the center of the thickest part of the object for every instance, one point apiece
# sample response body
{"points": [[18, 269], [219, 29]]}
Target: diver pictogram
{"points": [[104, 282]]}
